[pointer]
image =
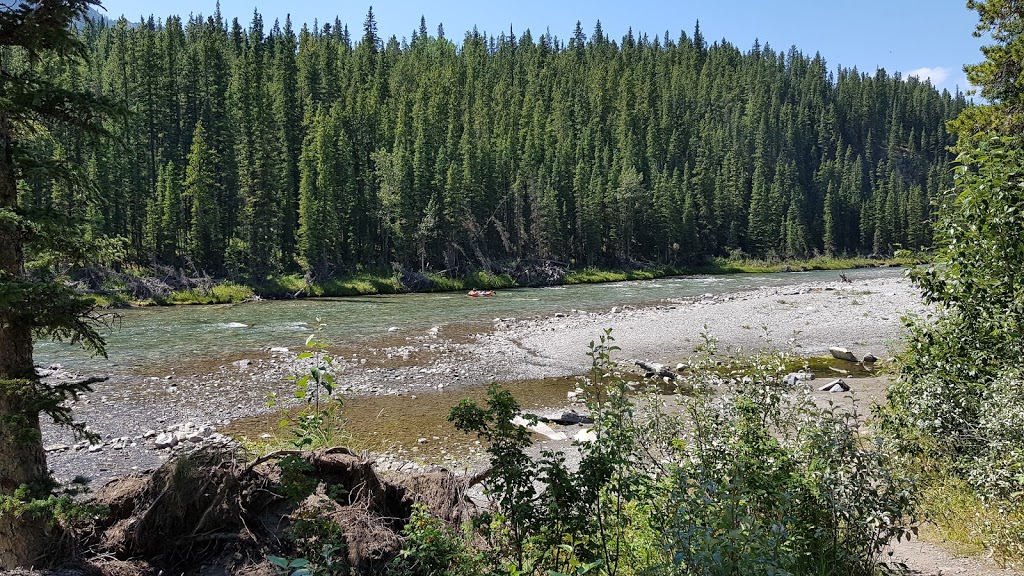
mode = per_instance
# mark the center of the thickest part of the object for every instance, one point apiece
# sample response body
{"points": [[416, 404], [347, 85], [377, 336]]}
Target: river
{"points": [[142, 339]]}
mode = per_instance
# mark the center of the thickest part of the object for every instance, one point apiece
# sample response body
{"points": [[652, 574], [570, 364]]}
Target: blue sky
{"points": [[927, 38]]}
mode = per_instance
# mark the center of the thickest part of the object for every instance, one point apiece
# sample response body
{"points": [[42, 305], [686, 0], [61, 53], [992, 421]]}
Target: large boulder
{"points": [[842, 354]]}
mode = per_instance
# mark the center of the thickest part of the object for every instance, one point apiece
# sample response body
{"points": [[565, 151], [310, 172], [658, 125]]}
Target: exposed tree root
{"points": [[214, 512]]}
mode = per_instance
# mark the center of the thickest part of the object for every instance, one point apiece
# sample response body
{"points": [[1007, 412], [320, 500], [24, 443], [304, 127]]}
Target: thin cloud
{"points": [[937, 75]]}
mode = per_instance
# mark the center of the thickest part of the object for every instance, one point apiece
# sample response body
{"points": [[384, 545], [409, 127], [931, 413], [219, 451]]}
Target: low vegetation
{"points": [[953, 415], [137, 286], [743, 475]]}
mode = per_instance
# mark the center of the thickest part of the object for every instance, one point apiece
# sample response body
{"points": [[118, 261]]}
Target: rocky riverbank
{"points": [[195, 400]]}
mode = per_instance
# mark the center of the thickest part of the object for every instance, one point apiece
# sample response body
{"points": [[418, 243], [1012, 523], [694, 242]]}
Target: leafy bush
{"points": [[956, 406], [753, 477], [431, 548], [765, 481]]}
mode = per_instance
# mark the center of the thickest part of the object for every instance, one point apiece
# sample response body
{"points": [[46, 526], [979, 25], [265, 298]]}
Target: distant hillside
{"points": [[250, 151]]}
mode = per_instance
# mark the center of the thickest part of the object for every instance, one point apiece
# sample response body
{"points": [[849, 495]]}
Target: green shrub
{"points": [[318, 423], [752, 478], [431, 548], [956, 404]]}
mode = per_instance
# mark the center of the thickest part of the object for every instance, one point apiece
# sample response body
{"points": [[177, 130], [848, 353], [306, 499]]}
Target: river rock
{"points": [[566, 418], [279, 350], [166, 440], [586, 435], [838, 385], [793, 377], [842, 354], [93, 448], [244, 363], [870, 359], [539, 428]]}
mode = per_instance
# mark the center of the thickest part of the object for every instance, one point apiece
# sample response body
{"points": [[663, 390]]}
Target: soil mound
{"points": [[216, 512]]}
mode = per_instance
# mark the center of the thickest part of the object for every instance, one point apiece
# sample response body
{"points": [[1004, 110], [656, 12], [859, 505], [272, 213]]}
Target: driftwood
{"points": [[655, 369], [566, 419]]}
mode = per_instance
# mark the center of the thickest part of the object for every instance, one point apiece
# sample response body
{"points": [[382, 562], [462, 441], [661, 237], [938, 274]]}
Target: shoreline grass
{"points": [[368, 283]]}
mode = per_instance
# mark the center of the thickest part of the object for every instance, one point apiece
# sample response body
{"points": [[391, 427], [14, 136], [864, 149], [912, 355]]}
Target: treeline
{"points": [[244, 152]]}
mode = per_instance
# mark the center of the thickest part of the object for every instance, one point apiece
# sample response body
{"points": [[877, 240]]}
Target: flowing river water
{"points": [[174, 364], [144, 340]]}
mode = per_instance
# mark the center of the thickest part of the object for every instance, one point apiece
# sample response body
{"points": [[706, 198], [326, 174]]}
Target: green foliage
{"points": [[954, 411], [957, 377], [510, 482], [39, 107], [1000, 75], [763, 480], [219, 294], [297, 151], [752, 478], [431, 548], [40, 501], [318, 423], [286, 567]]}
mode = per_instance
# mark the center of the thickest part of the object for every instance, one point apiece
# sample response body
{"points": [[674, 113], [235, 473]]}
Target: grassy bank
{"points": [[369, 283], [733, 266]]}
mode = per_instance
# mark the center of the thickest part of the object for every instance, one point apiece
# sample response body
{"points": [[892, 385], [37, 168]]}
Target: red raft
{"points": [[480, 293]]}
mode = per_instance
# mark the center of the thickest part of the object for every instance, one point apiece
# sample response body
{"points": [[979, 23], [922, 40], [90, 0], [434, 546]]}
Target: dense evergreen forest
{"points": [[244, 152]]}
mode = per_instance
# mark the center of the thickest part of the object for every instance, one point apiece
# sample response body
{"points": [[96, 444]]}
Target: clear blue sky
{"points": [[921, 37]]}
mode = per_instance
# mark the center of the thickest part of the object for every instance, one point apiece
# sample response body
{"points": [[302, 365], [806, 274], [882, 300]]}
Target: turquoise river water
{"points": [[157, 336]]}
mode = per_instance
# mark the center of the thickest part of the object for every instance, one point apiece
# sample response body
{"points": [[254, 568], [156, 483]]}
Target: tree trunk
{"points": [[22, 459]]}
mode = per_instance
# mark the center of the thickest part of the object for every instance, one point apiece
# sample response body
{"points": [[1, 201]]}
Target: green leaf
{"points": [[278, 561]]}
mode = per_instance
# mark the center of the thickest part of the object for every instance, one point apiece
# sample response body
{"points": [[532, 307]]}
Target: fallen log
{"points": [[655, 369]]}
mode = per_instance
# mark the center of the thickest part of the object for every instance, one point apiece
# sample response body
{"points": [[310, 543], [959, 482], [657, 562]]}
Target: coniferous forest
{"points": [[248, 151]]}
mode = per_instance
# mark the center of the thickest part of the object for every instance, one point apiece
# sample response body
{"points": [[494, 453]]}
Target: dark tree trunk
{"points": [[22, 459]]}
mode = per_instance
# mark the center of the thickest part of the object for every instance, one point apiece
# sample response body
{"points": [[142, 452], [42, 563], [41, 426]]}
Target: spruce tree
{"points": [[200, 191], [29, 33]]}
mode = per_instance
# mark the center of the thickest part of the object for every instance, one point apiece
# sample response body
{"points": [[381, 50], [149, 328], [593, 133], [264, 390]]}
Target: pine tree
{"points": [[29, 33], [520, 143], [204, 240]]}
